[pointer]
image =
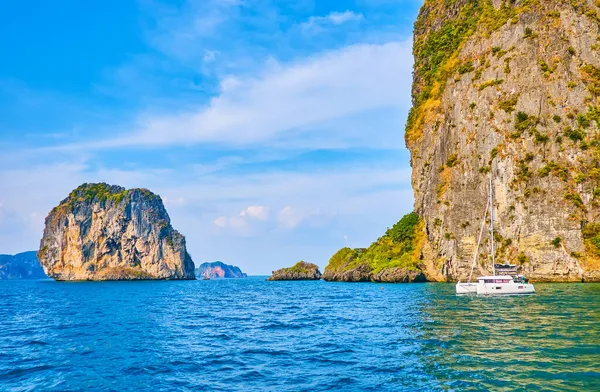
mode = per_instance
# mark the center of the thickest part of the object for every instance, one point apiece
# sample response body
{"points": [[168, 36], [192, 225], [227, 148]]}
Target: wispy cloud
{"points": [[286, 102], [317, 24]]}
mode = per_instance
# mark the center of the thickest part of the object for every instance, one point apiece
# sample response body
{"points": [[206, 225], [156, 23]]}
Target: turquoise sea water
{"points": [[252, 335]]}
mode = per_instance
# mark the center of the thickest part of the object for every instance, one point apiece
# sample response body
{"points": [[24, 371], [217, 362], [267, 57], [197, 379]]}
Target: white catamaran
{"points": [[508, 282]]}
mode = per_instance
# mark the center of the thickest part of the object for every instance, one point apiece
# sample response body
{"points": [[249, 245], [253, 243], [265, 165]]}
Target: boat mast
{"points": [[487, 207], [492, 225]]}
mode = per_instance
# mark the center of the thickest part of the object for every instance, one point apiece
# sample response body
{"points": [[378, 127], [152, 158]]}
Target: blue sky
{"points": [[273, 130]]}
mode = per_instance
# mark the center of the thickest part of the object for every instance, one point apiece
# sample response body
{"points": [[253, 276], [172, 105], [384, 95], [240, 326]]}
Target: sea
{"points": [[254, 335]]}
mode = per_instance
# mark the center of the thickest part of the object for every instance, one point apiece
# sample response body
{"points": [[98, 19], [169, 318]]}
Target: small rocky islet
{"points": [[299, 271], [104, 232]]}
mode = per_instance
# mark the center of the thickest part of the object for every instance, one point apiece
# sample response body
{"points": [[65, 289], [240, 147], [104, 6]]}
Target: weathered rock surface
{"points": [[21, 266], [511, 89], [219, 270], [103, 232], [299, 271]]}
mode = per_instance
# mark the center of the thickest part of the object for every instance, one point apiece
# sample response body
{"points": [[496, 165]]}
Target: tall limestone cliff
{"points": [[512, 90], [103, 232]]}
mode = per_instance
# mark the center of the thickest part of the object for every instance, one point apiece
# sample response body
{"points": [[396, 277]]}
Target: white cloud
{"points": [[318, 23], [174, 202], [285, 103], [221, 222], [289, 217], [244, 222], [256, 212], [210, 55]]}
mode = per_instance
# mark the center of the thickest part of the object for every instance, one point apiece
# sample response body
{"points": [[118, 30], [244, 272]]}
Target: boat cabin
{"points": [[495, 279]]}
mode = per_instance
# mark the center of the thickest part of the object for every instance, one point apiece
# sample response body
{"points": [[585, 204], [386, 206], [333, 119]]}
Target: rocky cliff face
{"points": [[21, 266], [219, 270], [509, 89], [103, 232], [299, 271]]}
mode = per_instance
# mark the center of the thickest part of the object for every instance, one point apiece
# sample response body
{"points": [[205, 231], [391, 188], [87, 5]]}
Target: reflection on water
{"points": [[548, 341], [252, 335]]}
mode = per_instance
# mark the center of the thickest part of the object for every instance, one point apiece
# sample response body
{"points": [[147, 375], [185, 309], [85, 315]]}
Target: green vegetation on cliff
{"points": [[300, 267], [100, 193], [443, 26], [399, 247], [299, 271]]}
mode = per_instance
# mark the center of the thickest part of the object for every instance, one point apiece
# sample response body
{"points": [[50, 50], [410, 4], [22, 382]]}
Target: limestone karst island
{"points": [[103, 232], [257, 195], [510, 89]]}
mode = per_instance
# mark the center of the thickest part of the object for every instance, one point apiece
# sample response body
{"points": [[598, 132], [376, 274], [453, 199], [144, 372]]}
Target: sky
{"points": [[273, 130]]}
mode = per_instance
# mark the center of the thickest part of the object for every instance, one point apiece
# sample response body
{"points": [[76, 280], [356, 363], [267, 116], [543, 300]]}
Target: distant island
{"points": [[104, 232], [21, 266], [219, 270], [299, 271]]}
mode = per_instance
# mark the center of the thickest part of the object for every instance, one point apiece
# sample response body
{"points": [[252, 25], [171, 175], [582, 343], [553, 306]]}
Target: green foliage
{"points": [[523, 172], [523, 121], [571, 50], [574, 134], [522, 258], [583, 121], [394, 249], [575, 198], [541, 138], [591, 236], [494, 153], [488, 83], [404, 230], [472, 105], [590, 230], [466, 67], [553, 168], [556, 242], [591, 76], [302, 267], [99, 193], [435, 47], [556, 118], [529, 33], [451, 161], [508, 105], [545, 67]]}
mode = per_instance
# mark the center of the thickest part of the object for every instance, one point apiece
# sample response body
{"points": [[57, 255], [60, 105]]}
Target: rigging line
{"points": [[487, 207]]}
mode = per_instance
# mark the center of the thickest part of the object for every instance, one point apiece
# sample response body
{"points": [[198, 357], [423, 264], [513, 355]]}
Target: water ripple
{"points": [[252, 335]]}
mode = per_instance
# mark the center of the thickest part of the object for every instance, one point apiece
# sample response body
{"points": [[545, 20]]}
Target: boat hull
{"points": [[466, 288], [505, 288]]}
